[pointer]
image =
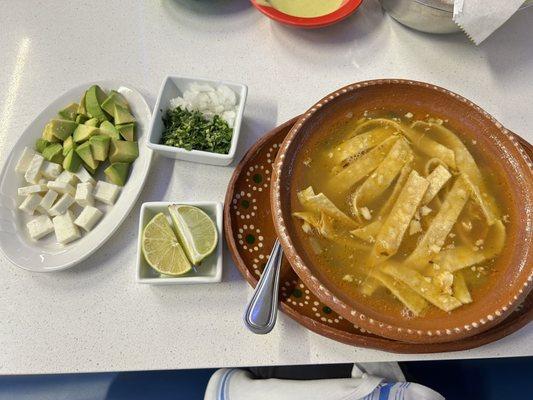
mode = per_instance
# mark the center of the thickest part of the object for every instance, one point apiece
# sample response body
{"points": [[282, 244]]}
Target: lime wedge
{"points": [[161, 248], [196, 231]]}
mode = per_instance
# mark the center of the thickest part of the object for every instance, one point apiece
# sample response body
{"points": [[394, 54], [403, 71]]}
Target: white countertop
{"points": [[94, 317]]}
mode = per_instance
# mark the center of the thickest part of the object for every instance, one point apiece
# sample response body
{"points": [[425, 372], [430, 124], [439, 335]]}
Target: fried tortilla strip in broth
{"points": [[465, 165], [360, 167], [319, 202], [460, 289], [391, 233], [433, 239], [416, 281], [359, 144], [437, 179], [382, 177], [369, 232], [398, 186], [463, 257]]}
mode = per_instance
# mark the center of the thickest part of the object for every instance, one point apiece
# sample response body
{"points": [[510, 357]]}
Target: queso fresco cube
{"points": [[106, 192]]}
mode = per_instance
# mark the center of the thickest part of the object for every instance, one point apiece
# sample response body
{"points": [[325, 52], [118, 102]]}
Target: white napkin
{"points": [[480, 18]]}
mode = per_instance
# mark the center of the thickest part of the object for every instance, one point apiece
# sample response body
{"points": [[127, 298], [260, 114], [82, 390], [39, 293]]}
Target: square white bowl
{"points": [[174, 86], [210, 269]]}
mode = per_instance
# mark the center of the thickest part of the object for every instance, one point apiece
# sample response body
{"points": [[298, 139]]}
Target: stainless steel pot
{"points": [[433, 16]]}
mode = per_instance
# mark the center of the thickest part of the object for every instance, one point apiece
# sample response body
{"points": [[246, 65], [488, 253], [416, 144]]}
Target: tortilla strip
{"points": [[359, 144], [404, 293], [319, 202], [463, 257], [382, 177], [368, 232], [421, 141], [398, 186], [437, 179], [416, 281], [433, 239], [466, 165], [460, 289], [391, 233], [361, 167]]}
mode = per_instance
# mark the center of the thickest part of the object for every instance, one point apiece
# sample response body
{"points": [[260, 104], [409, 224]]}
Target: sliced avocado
{"points": [[122, 115], [80, 119], [48, 135], [62, 128], [84, 132], [54, 153], [93, 98], [68, 145], [117, 173], [72, 161], [123, 151], [41, 144], [91, 122], [114, 98], [85, 153], [127, 131], [69, 112], [107, 128], [81, 108], [91, 170], [100, 146]]}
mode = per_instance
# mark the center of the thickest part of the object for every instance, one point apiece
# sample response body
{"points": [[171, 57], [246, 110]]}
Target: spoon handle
{"points": [[260, 315]]}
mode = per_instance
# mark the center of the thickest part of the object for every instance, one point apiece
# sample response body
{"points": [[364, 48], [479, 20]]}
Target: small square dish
{"points": [[210, 269], [173, 87]]}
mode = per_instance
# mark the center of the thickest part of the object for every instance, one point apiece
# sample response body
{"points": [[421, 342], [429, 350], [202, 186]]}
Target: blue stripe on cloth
{"points": [[384, 391]]}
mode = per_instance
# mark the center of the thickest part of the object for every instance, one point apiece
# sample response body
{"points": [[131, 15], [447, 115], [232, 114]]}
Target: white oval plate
{"points": [[46, 254]]}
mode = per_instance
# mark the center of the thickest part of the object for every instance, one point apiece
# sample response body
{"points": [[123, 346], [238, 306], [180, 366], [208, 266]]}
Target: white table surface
{"points": [[94, 317]]}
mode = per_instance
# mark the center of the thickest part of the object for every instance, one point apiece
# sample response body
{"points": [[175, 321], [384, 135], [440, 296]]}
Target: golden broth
{"points": [[304, 8], [352, 262]]}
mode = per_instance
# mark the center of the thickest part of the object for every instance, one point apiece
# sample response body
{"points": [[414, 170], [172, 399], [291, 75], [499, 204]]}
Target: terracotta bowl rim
{"points": [[374, 325]]}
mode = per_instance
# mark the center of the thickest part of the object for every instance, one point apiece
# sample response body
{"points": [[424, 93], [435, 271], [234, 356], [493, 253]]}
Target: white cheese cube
{"points": [[40, 226], [51, 170], [33, 173], [65, 229], [61, 187], [24, 161], [84, 176], [26, 190], [106, 192], [62, 205], [30, 203], [47, 201], [88, 218], [84, 194], [68, 177]]}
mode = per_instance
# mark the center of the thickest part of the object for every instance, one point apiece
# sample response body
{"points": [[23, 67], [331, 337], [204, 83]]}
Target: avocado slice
{"points": [[68, 145], [93, 98], [91, 170], [81, 108], [80, 119], [127, 131], [48, 135], [100, 146], [54, 153], [122, 115], [69, 112], [91, 122], [85, 153], [113, 98], [62, 128], [117, 173], [72, 161], [123, 151], [107, 128], [41, 144], [84, 132]]}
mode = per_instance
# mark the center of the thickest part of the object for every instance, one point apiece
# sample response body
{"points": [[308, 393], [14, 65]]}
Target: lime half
{"points": [[196, 231], [161, 248]]}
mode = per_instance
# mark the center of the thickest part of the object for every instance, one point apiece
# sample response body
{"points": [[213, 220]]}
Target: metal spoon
{"points": [[260, 315]]}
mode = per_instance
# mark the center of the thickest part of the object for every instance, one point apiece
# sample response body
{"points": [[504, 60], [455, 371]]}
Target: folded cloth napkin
{"points": [[236, 384], [480, 18]]}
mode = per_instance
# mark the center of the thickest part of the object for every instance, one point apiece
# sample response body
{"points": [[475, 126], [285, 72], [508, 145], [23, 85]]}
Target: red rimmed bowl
{"points": [[347, 7], [501, 152]]}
